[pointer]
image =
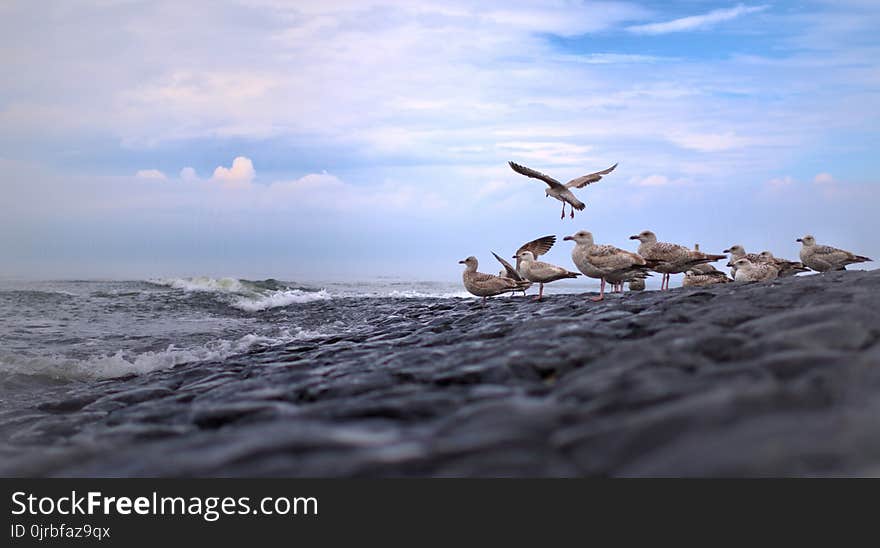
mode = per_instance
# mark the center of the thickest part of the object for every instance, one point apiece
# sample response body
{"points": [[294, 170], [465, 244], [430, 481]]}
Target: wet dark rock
{"points": [[779, 378]]}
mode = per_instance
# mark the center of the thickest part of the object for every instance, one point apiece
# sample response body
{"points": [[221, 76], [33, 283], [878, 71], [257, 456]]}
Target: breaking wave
{"points": [[123, 363], [247, 295]]}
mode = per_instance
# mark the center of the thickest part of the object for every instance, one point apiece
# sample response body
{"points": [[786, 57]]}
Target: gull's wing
{"points": [[613, 258], [511, 272], [529, 172], [832, 254], [668, 253], [538, 246], [584, 180]]}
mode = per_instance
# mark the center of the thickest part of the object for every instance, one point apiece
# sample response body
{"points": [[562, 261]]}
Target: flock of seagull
{"points": [[616, 266]]}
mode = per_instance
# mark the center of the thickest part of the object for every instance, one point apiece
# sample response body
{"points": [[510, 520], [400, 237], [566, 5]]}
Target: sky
{"points": [[368, 138]]}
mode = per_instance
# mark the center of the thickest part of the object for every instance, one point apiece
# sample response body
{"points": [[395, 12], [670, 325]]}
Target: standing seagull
{"points": [[538, 247], [561, 191], [823, 258], [605, 262], [670, 258], [540, 272], [486, 285]]}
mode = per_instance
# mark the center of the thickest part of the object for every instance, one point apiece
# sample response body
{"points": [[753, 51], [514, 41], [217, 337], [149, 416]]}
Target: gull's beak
{"points": [[461, 262], [568, 238], [729, 263], [633, 237], [801, 240], [726, 251], [514, 257]]}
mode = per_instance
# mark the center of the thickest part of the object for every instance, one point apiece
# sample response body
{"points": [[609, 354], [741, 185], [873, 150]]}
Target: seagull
{"points": [[605, 262], [823, 258], [705, 268], [485, 285], [540, 272], [695, 278], [669, 258], [738, 252], [637, 284], [747, 271], [538, 247], [786, 268], [561, 191]]}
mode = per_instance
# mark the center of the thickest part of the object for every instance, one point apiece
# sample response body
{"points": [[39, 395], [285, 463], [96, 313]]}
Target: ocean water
{"points": [[66, 331]]}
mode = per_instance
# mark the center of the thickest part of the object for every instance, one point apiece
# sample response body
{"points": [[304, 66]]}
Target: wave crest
{"points": [[122, 363], [247, 295]]}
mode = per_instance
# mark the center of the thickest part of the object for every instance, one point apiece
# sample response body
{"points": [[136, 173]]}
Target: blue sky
{"points": [[363, 138]]}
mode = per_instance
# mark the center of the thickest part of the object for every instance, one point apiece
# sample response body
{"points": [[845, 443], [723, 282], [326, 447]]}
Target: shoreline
{"points": [[777, 378]]}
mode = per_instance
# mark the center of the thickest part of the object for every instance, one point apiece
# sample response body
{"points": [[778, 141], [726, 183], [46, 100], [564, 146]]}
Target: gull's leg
{"points": [[540, 293], [601, 291], [563, 211], [572, 212]]}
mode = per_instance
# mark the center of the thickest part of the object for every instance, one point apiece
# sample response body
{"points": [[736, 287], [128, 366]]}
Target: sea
{"points": [[85, 330]]}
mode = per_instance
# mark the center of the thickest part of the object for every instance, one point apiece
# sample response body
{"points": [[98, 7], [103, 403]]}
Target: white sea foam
{"points": [[244, 295], [279, 298], [203, 283], [251, 298], [416, 294], [122, 363]]}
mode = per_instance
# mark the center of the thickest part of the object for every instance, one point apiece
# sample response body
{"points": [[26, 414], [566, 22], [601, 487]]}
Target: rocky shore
{"points": [[779, 378]]}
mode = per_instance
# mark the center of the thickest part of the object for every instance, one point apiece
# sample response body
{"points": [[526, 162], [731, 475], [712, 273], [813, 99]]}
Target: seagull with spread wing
{"points": [[562, 192], [538, 247]]}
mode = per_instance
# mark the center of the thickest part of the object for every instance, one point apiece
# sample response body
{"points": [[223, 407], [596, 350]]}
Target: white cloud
{"points": [[391, 82], [695, 22], [615, 58], [781, 182], [823, 179], [652, 180], [150, 174], [188, 174], [323, 191], [239, 175], [710, 142], [549, 152]]}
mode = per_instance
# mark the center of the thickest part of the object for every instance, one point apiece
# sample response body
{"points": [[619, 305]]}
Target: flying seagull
{"points": [[561, 191]]}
